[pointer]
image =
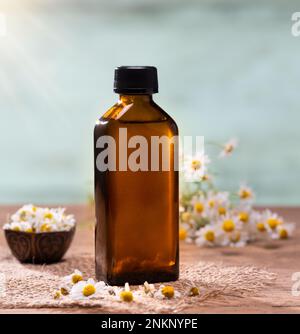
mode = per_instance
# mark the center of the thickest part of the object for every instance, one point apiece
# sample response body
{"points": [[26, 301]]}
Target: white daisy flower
{"points": [[73, 278], [195, 167], [206, 177], [166, 292], [272, 220], [15, 226], [235, 238], [283, 231], [88, 289], [217, 204], [245, 193], [186, 217], [255, 224], [208, 235], [26, 227], [199, 205], [183, 232], [230, 223], [126, 295], [228, 148]]}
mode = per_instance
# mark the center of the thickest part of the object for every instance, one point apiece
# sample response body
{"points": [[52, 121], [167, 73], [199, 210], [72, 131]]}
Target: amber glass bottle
{"points": [[136, 210]]}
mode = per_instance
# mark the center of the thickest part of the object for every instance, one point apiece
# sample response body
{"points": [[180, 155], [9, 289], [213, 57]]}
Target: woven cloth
{"points": [[33, 286]]}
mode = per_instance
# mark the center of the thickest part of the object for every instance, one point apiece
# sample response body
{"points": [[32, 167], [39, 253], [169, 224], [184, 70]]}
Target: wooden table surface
{"points": [[280, 257]]}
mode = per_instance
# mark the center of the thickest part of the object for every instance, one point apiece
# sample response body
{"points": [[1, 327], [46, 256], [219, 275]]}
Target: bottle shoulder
{"points": [[136, 113]]}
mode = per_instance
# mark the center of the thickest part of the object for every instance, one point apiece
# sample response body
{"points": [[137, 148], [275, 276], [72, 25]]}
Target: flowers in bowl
{"points": [[39, 235], [33, 219]]}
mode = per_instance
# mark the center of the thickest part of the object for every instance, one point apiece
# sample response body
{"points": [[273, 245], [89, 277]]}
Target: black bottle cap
{"points": [[136, 80]]}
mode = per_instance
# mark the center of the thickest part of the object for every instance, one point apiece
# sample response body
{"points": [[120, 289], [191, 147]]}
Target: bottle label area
{"points": [[144, 153]]}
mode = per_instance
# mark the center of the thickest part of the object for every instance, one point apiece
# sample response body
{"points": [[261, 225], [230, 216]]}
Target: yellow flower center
{"points": [[194, 291], [283, 234], [64, 291], [88, 290], [211, 203], [126, 296], [228, 225], [222, 211], [244, 217], [45, 228], [273, 223], [168, 291], [34, 208], [57, 295], [182, 233], [186, 216], [236, 237], [76, 278], [199, 207], [261, 227], [48, 215], [210, 236], [205, 177], [29, 230], [16, 228], [23, 215], [196, 164], [228, 148], [244, 194]]}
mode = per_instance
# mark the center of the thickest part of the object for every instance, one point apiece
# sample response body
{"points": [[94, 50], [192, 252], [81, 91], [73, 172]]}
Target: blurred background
{"points": [[227, 68]]}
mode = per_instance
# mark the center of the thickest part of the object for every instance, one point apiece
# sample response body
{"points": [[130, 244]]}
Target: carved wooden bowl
{"points": [[38, 248]]}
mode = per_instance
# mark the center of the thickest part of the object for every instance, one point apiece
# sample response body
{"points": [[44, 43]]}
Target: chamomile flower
{"points": [[195, 167], [167, 292], [88, 289], [208, 235], [261, 226], [199, 205], [73, 278], [194, 291], [228, 148], [272, 220], [222, 210], [206, 178], [256, 226], [230, 223], [126, 295], [15, 226], [57, 294], [236, 238], [217, 204], [183, 233], [245, 193], [283, 231], [247, 218], [186, 217], [64, 290], [26, 227]]}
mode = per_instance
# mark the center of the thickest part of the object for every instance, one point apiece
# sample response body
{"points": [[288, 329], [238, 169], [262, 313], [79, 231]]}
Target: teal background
{"points": [[226, 68]]}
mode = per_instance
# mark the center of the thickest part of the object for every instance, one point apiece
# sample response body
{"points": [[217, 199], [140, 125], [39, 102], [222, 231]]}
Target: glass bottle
{"points": [[136, 236]]}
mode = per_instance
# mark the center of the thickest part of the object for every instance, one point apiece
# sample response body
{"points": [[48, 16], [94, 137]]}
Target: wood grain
{"points": [[280, 257]]}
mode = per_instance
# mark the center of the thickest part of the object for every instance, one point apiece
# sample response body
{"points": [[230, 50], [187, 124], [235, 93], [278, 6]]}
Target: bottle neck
{"points": [[129, 99]]}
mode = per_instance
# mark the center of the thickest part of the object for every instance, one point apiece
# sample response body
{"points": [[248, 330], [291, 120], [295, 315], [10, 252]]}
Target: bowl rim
{"points": [[39, 233]]}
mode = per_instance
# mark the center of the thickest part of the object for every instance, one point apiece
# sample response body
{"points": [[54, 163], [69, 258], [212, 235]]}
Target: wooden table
{"points": [[282, 258]]}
